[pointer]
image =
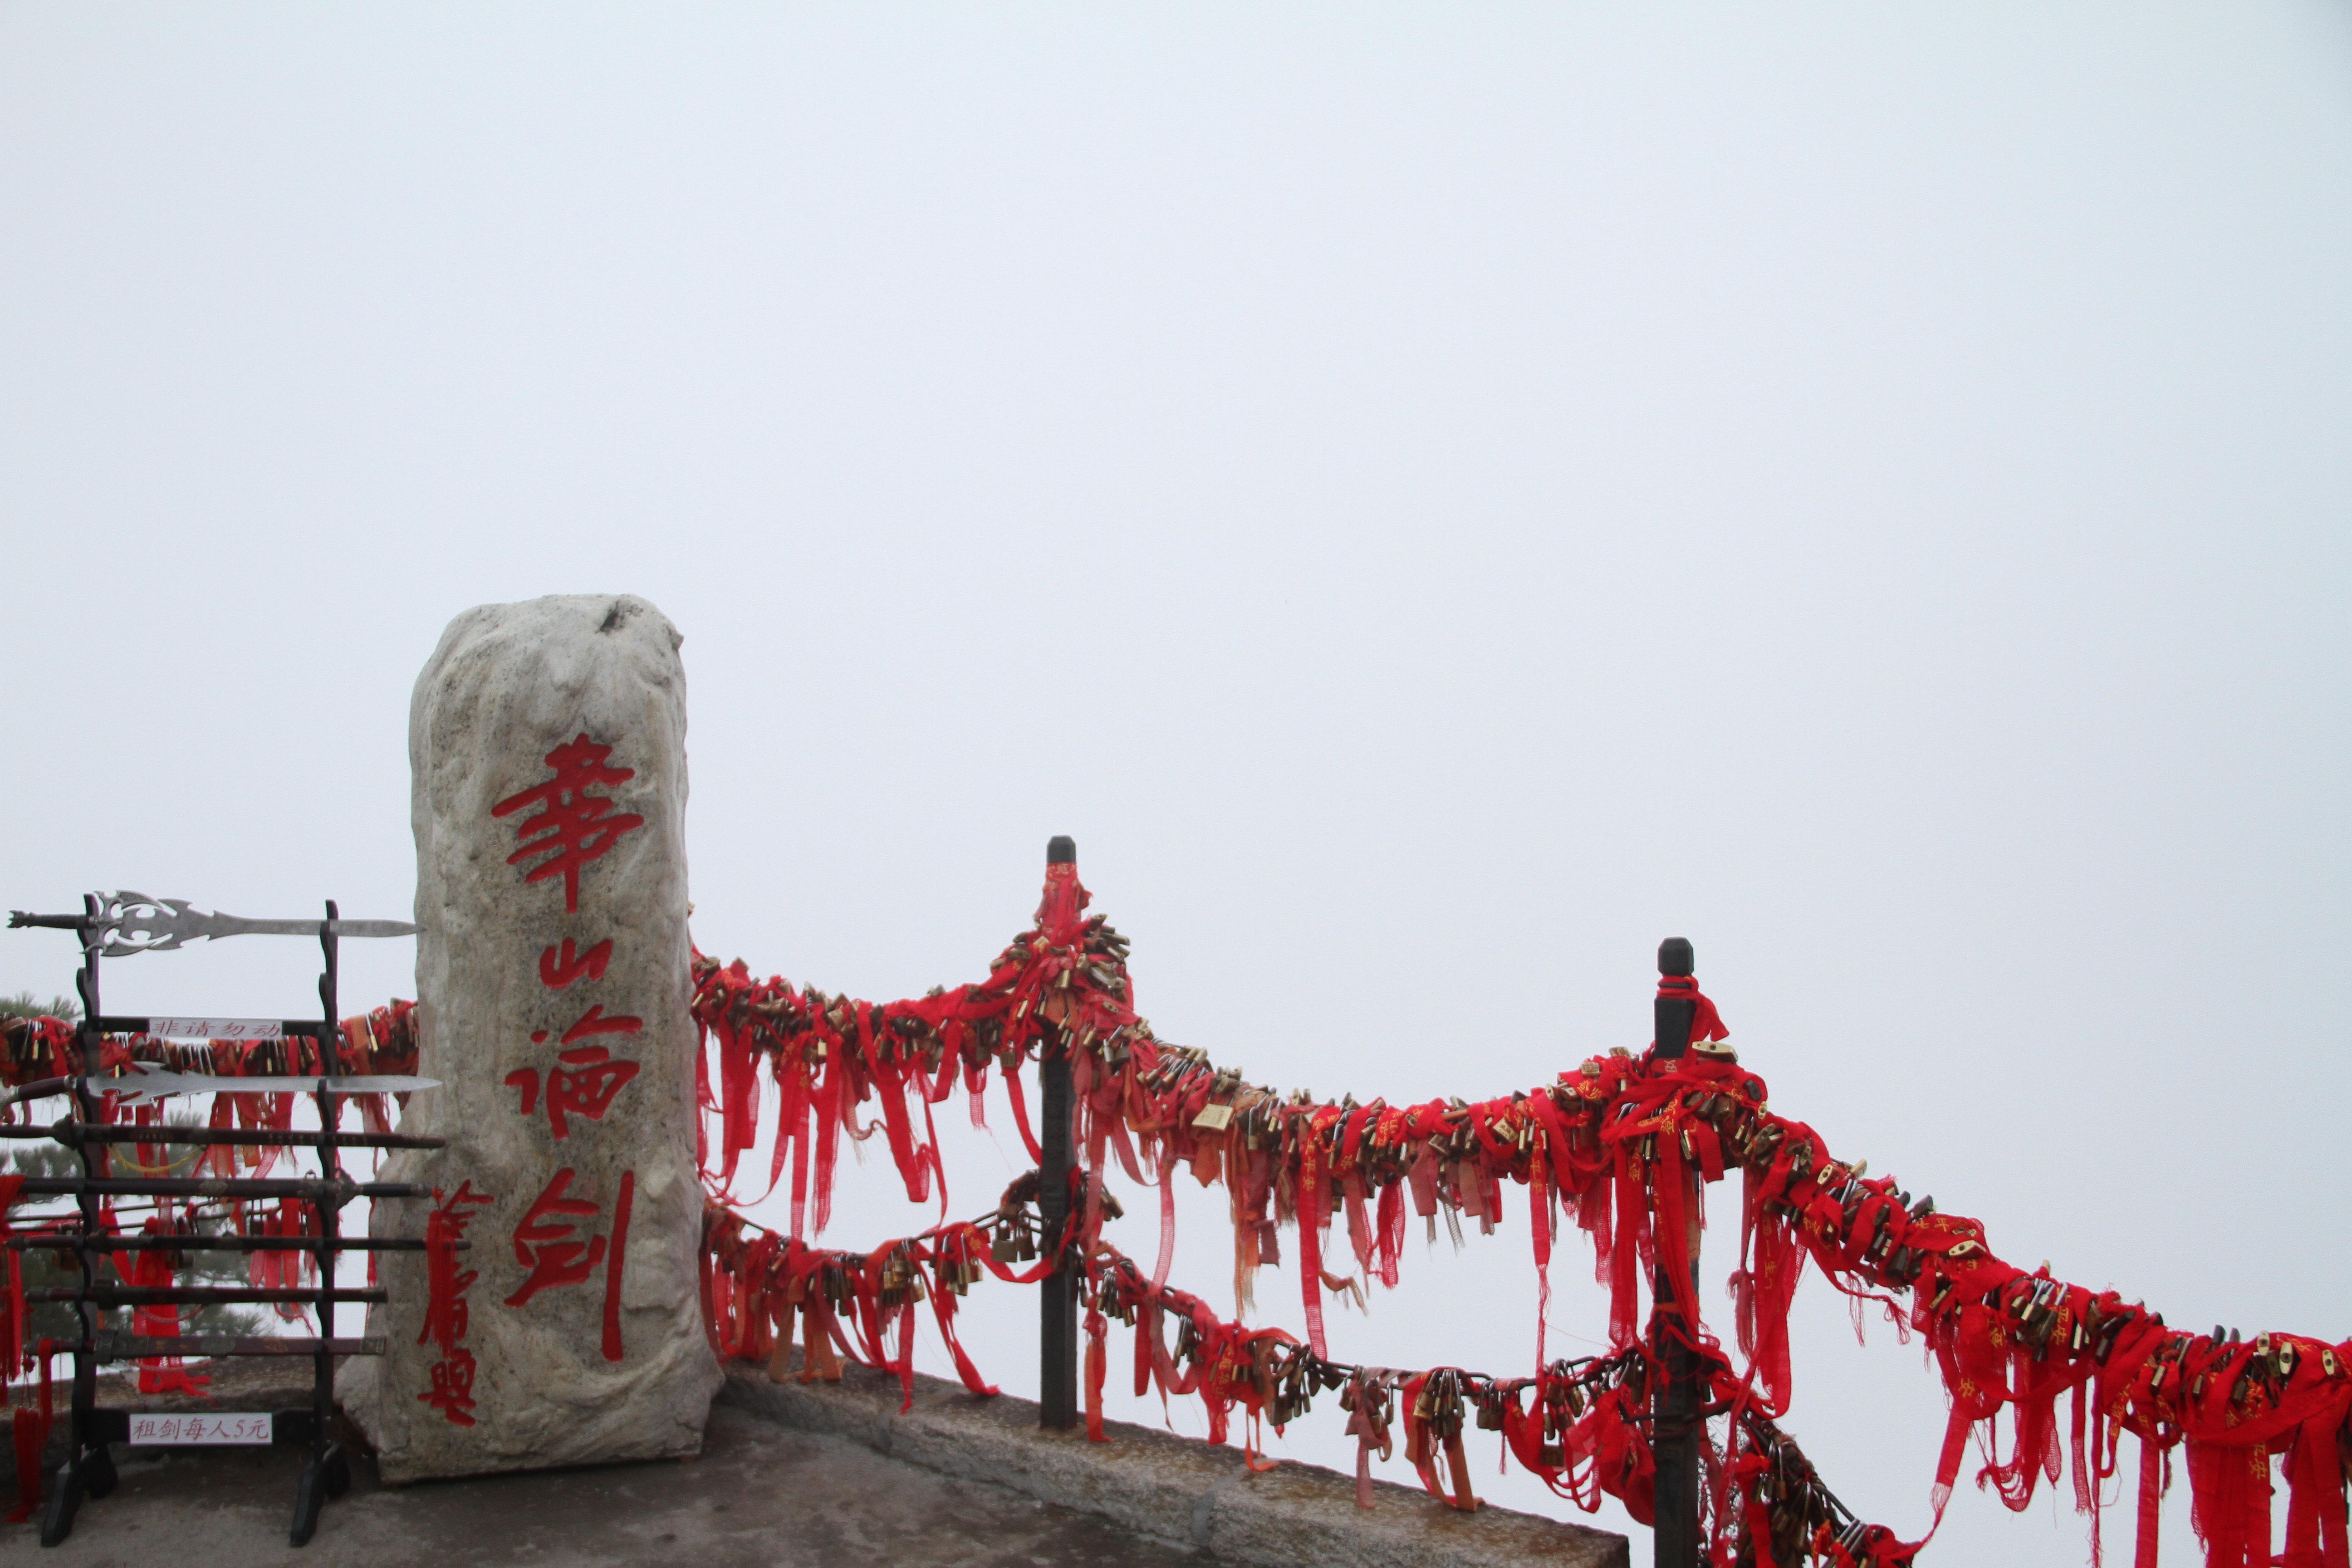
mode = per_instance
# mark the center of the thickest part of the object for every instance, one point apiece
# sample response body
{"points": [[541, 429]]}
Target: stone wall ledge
{"points": [[1176, 1489]]}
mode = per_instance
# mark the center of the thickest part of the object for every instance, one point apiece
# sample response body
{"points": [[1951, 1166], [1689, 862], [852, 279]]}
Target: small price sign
{"points": [[204, 1427]]}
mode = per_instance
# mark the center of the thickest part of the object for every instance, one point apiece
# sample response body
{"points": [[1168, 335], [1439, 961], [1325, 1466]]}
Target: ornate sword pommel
{"points": [[134, 923], [21, 919]]}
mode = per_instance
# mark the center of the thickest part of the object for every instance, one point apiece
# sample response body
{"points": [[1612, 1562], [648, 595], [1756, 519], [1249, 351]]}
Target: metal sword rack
{"points": [[116, 925]]}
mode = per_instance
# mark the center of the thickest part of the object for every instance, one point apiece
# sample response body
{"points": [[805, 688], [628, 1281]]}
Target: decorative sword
{"points": [[144, 1082], [134, 923]]}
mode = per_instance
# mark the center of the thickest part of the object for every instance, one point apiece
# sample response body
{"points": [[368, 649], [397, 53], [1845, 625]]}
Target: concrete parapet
{"points": [[1173, 1488]]}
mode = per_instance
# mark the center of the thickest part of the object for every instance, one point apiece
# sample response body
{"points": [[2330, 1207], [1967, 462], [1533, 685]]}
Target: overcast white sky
{"points": [[1433, 499]]}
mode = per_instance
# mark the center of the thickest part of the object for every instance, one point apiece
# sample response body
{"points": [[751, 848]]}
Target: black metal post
{"points": [[328, 1474], [89, 1469], [1058, 1337], [1675, 1425]]}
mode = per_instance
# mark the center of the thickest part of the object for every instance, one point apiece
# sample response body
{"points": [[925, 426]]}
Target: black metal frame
{"points": [[88, 1470]]}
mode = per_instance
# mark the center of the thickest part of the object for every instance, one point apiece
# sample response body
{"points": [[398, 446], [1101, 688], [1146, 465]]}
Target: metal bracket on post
{"points": [[1674, 1404], [1058, 1337]]}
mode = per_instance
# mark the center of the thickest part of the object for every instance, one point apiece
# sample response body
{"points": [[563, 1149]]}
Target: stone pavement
{"points": [[790, 1476], [1170, 1489], [761, 1494]]}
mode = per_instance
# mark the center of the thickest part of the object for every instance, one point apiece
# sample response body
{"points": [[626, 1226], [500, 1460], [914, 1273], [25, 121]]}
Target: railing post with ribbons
{"points": [[1675, 1425], [1058, 1339]]}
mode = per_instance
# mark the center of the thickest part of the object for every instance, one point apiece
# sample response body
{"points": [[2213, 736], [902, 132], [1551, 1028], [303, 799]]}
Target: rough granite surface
{"points": [[503, 703]]}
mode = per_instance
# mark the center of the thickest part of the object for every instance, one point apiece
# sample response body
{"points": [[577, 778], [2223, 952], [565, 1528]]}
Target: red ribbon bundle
{"points": [[152, 1269]]}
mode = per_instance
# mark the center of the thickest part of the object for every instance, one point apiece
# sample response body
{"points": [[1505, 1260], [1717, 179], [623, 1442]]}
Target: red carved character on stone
{"points": [[574, 826], [445, 1305], [546, 1244], [558, 970], [588, 1076], [583, 1085]]}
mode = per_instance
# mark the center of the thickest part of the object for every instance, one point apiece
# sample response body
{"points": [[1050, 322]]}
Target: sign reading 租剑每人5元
{"points": [[203, 1426]]}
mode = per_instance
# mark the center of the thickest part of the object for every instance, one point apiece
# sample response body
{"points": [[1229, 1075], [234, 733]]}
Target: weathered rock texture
{"points": [[576, 1344]]}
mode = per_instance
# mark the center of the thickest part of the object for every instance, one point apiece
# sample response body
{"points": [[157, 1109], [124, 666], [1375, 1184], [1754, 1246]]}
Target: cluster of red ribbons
{"points": [[28, 1427], [2007, 1341], [32, 1049], [1578, 1425], [1064, 979], [155, 1268], [381, 1041], [35, 1049], [29, 1430], [15, 1355], [1621, 1145], [152, 1268], [757, 1284]]}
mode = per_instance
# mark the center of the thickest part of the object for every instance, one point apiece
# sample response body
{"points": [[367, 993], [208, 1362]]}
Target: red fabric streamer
{"points": [[152, 1267], [29, 1430]]}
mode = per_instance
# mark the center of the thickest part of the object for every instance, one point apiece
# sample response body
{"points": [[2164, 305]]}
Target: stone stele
{"points": [[547, 741]]}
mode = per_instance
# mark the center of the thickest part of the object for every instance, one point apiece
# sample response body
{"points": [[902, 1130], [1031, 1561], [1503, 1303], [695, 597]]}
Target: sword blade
{"points": [[151, 1084], [373, 928], [236, 925]]}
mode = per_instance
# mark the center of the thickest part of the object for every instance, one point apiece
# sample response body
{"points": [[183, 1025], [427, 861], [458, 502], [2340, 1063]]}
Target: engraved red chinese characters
{"points": [[587, 1077], [546, 1244], [558, 969], [583, 1085], [452, 1392], [574, 826]]}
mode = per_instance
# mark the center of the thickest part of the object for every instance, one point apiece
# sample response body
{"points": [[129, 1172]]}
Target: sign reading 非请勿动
{"points": [[217, 1028]]}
